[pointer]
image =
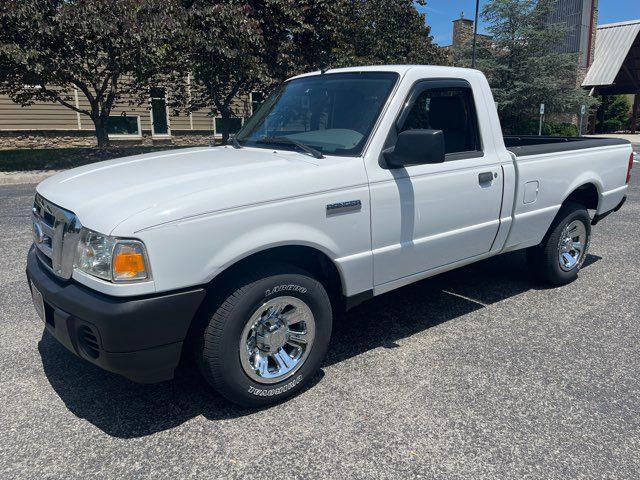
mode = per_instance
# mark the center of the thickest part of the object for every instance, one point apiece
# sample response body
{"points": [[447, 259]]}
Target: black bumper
{"points": [[138, 337]]}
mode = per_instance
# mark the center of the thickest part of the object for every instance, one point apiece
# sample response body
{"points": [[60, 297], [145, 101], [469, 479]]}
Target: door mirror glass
{"points": [[416, 147]]}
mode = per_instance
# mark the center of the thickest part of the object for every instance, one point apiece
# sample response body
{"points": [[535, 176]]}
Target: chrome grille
{"points": [[56, 232]]}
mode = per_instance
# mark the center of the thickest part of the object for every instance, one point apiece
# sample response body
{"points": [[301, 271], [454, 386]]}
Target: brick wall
{"points": [[462, 31]]}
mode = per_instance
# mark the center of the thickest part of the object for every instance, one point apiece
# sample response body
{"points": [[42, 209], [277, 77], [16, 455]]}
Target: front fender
{"points": [[194, 251], [269, 236]]}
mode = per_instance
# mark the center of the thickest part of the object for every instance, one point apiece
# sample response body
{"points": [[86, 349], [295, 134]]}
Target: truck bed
{"points": [[523, 145]]}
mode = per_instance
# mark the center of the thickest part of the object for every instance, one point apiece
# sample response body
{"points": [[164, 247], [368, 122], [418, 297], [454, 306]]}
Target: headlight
{"points": [[111, 258]]}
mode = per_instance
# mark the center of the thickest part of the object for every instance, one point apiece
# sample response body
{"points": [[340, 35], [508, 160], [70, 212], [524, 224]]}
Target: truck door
{"points": [[428, 216]]}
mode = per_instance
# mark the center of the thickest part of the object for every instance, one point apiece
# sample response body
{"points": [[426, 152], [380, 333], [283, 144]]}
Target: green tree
{"points": [[613, 114], [49, 48], [523, 65], [233, 47], [374, 32]]}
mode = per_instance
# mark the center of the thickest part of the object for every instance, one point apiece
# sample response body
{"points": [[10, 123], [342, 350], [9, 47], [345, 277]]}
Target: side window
{"points": [[450, 110]]}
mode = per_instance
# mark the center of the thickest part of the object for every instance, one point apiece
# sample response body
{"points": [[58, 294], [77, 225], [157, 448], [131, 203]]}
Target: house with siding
{"points": [[47, 125]]}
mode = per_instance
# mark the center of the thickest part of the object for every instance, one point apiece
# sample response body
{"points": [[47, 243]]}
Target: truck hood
{"points": [[175, 184]]}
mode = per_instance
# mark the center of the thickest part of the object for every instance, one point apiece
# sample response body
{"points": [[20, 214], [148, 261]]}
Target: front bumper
{"points": [[138, 337]]}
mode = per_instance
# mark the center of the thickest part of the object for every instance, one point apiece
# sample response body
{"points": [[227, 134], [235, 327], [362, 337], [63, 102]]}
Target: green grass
{"points": [[61, 158]]}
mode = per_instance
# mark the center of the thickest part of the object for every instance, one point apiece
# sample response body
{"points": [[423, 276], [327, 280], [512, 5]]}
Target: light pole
{"points": [[475, 35]]}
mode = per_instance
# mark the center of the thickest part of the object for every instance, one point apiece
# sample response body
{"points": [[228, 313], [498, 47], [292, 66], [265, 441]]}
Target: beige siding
{"points": [[40, 116], [52, 116], [242, 106], [179, 122], [202, 120], [85, 120]]}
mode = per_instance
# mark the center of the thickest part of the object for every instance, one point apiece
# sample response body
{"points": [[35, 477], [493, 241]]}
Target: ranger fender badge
{"points": [[342, 207]]}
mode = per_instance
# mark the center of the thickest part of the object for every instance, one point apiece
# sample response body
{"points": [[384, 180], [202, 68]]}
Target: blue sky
{"points": [[440, 13]]}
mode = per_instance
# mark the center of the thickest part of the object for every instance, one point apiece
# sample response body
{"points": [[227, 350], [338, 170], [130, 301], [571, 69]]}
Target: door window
{"points": [[159, 111], [256, 100], [123, 125], [235, 124], [450, 110]]}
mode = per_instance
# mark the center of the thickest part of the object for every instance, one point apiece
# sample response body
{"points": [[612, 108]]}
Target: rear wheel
{"points": [[557, 260], [267, 339]]}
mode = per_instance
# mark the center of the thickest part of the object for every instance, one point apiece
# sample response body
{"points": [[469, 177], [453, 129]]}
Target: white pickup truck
{"points": [[344, 185]]}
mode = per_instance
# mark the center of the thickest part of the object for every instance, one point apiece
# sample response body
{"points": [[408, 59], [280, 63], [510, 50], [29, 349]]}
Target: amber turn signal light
{"points": [[129, 262]]}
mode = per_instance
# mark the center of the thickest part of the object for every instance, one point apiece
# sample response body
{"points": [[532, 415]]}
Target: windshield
{"points": [[332, 113]]}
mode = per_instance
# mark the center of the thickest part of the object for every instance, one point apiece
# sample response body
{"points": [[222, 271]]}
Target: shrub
{"points": [[530, 127], [615, 110], [560, 129]]}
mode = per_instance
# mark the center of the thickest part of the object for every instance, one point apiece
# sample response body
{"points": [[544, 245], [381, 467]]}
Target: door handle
{"points": [[485, 178]]}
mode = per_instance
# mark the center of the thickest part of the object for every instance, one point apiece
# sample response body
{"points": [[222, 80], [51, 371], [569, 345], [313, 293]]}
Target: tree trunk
{"points": [[224, 108], [101, 133], [601, 114], [225, 114]]}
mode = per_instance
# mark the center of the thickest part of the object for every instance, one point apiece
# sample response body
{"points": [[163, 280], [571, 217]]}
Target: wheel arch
{"points": [[586, 193], [310, 258], [302, 256]]}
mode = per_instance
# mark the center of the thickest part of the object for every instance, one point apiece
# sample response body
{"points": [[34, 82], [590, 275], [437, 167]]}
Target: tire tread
{"points": [[208, 353], [542, 259]]}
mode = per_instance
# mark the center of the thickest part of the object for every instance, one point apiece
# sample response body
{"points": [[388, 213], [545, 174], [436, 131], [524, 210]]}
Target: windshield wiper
{"points": [[310, 150], [235, 142]]}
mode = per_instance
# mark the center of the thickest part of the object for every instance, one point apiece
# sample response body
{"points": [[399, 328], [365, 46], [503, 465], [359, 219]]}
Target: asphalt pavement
{"points": [[477, 373]]}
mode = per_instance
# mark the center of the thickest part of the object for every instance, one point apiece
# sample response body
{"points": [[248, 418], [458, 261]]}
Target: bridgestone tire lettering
{"points": [[275, 391]]}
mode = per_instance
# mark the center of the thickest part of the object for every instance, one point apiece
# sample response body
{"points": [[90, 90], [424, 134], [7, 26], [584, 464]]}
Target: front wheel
{"points": [[557, 260], [267, 339]]}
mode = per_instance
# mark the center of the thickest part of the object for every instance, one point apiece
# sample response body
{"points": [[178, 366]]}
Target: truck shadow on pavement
{"points": [[406, 311], [124, 409]]}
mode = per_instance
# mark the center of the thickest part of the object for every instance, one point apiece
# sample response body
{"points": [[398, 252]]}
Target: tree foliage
{"points": [[233, 47], [49, 48], [205, 52], [523, 64], [614, 114], [378, 32]]}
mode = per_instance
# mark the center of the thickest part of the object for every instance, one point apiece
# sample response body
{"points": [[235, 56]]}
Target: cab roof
{"points": [[429, 70]]}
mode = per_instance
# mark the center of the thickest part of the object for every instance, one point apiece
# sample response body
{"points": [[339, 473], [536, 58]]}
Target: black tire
{"points": [[218, 352], [543, 259]]}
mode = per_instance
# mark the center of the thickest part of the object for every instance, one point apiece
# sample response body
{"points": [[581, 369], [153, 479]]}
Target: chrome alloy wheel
{"points": [[572, 245], [277, 339]]}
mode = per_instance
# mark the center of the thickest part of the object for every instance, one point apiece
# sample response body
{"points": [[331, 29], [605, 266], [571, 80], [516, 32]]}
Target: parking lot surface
{"points": [[477, 373]]}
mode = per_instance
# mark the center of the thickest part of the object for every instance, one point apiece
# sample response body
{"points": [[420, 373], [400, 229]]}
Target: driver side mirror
{"points": [[415, 147]]}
